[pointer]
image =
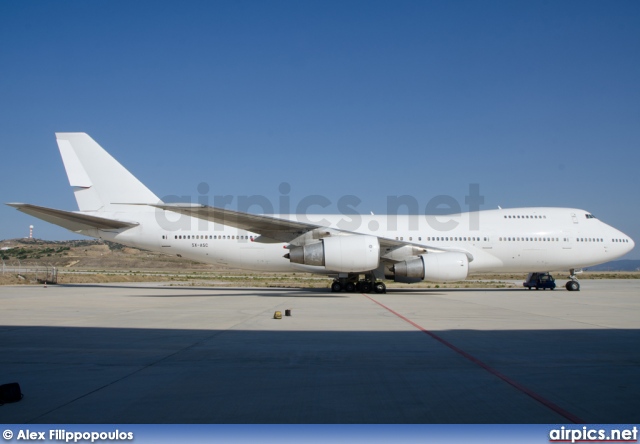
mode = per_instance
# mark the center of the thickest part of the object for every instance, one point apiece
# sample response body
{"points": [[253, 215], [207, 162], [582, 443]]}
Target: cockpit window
{"points": [[589, 216]]}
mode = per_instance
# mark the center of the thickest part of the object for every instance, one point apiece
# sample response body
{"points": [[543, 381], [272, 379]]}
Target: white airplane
{"points": [[117, 207]]}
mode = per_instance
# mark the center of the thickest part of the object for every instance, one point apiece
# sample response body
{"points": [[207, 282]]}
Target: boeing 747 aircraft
{"points": [[115, 206]]}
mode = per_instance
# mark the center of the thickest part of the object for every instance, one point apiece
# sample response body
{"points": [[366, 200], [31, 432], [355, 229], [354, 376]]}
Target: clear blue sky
{"points": [[538, 102]]}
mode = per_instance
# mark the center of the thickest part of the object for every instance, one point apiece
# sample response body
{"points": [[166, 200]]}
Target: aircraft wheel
{"points": [[336, 287], [379, 287], [573, 286], [365, 287], [350, 287]]}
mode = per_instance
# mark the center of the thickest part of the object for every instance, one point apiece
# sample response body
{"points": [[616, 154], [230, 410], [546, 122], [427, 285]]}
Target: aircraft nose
{"points": [[629, 243]]}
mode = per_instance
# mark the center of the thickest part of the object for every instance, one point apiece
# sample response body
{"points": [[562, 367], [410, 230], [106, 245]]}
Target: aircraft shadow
{"points": [[137, 375]]}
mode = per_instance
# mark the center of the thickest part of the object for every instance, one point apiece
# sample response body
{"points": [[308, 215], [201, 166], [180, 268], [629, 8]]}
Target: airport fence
{"points": [[44, 274]]}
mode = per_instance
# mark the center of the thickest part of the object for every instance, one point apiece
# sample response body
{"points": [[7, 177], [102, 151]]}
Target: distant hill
{"points": [[88, 254], [623, 265]]}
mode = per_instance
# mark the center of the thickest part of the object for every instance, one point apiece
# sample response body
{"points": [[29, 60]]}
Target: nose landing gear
{"points": [[573, 284]]}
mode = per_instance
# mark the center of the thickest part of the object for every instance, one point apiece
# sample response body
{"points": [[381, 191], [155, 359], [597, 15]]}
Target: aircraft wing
{"points": [[71, 220], [275, 229], [280, 230]]}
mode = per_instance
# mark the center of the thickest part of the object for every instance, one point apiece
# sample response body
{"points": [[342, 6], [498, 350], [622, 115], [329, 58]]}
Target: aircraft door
{"points": [[567, 240]]}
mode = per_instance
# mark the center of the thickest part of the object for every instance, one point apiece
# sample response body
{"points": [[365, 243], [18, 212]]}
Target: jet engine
{"points": [[351, 253], [435, 267]]}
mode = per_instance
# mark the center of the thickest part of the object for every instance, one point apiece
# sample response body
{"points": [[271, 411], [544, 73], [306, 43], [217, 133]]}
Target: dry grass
{"points": [[233, 278]]}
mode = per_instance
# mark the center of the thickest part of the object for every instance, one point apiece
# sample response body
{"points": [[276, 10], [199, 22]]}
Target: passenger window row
{"points": [[428, 238], [447, 238], [532, 239], [535, 216], [208, 236]]}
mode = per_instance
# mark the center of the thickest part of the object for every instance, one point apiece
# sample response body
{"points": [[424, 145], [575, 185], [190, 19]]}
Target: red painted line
{"points": [[559, 410]]}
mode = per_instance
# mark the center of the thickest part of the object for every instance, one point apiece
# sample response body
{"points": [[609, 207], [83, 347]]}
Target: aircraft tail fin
{"points": [[100, 183]]}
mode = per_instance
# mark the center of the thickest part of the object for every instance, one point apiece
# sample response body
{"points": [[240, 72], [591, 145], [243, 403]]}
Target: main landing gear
{"points": [[353, 283], [573, 284]]}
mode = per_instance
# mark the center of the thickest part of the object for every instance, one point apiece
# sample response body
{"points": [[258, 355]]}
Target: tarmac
{"points": [[150, 353]]}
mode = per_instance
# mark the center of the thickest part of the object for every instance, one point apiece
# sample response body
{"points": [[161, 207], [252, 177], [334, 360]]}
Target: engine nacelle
{"points": [[434, 267], [352, 253]]}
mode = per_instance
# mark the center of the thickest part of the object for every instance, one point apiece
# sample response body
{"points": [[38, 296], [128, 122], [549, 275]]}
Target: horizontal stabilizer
{"points": [[70, 220]]}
